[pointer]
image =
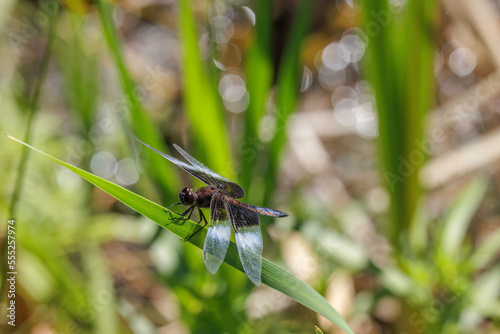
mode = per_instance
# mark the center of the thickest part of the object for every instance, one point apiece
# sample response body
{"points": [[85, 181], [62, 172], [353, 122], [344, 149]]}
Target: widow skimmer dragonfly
{"points": [[226, 212]]}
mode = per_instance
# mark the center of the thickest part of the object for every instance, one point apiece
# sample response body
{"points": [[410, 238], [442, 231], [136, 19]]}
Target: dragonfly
{"points": [[226, 213]]}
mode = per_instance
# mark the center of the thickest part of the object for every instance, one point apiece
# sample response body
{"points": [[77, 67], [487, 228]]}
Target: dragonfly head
{"points": [[187, 196]]}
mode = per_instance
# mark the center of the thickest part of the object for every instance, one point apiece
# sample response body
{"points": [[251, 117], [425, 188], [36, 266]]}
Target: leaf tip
{"points": [[10, 137], [317, 330]]}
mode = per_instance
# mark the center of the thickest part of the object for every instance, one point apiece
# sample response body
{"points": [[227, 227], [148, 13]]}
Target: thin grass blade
{"points": [[287, 92], [272, 275], [140, 123], [201, 100], [259, 75], [401, 47], [458, 218], [486, 251]]}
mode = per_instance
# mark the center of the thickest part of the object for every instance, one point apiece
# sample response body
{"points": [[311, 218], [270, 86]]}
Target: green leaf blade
{"points": [[486, 251], [287, 92], [458, 218], [272, 275], [140, 123], [201, 100]]}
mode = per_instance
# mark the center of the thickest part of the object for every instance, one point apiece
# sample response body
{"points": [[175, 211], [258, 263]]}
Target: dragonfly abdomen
{"points": [[260, 210]]}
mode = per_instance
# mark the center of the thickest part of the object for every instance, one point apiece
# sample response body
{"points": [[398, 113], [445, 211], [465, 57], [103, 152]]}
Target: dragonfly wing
{"points": [[218, 235], [230, 188], [188, 168], [248, 240]]}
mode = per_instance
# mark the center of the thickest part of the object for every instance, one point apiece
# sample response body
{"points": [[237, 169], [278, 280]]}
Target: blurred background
{"points": [[374, 124]]}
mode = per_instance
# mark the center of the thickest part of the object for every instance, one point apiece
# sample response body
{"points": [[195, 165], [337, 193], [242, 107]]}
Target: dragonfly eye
{"points": [[187, 196]]}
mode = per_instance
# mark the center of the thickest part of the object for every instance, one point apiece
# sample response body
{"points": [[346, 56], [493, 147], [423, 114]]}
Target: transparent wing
{"points": [[218, 235], [248, 240], [193, 170], [188, 168], [230, 188]]}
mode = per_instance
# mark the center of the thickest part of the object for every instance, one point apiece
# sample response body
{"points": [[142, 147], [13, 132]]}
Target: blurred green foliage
{"points": [[401, 44], [90, 264], [272, 275]]}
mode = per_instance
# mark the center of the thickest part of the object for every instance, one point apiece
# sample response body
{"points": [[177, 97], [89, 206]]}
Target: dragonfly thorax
{"points": [[200, 198]]}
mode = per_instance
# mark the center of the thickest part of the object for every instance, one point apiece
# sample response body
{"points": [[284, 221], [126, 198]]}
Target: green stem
{"points": [[161, 171], [34, 100], [287, 93]]}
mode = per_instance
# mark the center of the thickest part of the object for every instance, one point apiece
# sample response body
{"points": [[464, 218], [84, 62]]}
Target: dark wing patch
{"points": [[241, 216], [248, 240]]}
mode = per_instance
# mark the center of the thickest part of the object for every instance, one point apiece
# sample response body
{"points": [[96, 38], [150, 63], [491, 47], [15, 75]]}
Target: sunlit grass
{"points": [[272, 275], [73, 237], [400, 69], [139, 123]]}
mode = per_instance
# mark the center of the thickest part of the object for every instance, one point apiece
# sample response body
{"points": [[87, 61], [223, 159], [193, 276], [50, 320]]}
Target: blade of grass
{"points": [[417, 238], [401, 46], [380, 71], [317, 330], [33, 107], [201, 102], [485, 293], [259, 75], [78, 64], [57, 263], [459, 217], [272, 275], [162, 172], [35, 95], [419, 83], [100, 285], [287, 92], [486, 251]]}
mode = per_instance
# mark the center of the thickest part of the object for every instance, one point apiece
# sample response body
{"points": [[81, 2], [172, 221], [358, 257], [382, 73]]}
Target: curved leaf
{"points": [[272, 275]]}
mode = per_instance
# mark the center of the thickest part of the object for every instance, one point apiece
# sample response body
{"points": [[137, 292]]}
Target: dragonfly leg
{"points": [[170, 207], [202, 218], [189, 210]]}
